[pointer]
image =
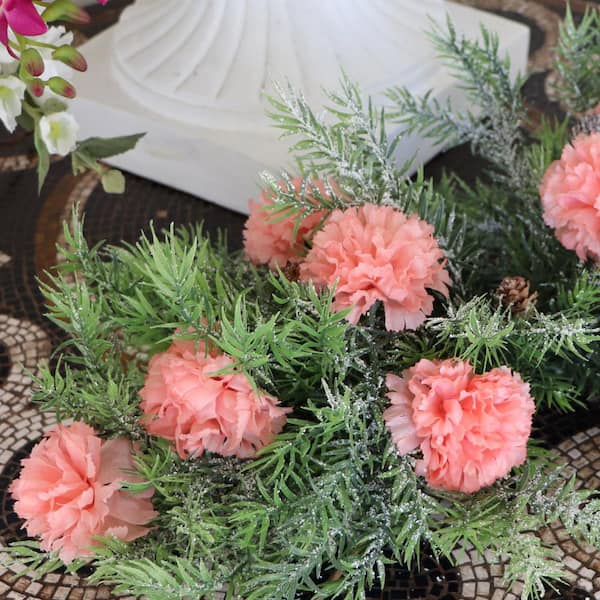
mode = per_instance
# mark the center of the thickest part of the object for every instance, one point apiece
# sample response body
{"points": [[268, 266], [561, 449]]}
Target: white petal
{"points": [[12, 92], [59, 132]]}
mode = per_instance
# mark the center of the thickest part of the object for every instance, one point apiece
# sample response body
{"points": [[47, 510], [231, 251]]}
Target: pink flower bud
{"points": [[65, 10], [71, 57], [35, 87], [61, 87], [32, 61]]}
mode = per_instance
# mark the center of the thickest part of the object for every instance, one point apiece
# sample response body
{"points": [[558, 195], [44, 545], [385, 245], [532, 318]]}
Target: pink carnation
{"points": [[378, 253], [570, 192], [472, 429], [188, 403], [270, 239], [69, 492]]}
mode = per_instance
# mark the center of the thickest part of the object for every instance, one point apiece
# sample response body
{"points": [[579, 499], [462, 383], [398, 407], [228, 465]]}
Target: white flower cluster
{"points": [[58, 130]]}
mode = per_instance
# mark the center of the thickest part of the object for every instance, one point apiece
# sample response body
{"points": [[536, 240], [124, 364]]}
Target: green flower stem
{"points": [[41, 44], [14, 46], [34, 112]]}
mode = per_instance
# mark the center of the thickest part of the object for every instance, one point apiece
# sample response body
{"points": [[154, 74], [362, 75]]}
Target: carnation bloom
{"points": [[188, 403], [22, 17], [570, 193], [69, 492], [378, 253], [273, 240], [472, 429]]}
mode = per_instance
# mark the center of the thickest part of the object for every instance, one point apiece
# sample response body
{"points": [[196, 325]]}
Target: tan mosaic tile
{"points": [[581, 562]]}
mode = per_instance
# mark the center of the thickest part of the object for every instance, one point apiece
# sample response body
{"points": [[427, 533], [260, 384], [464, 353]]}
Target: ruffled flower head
{"points": [[471, 429], [570, 193], [273, 240], [187, 402], [69, 492], [378, 253]]}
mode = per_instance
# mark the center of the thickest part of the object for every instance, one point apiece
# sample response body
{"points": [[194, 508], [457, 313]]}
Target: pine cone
{"points": [[513, 292], [291, 271]]}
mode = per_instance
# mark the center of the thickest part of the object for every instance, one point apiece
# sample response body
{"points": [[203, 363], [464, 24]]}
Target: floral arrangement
{"points": [[36, 61], [359, 383]]}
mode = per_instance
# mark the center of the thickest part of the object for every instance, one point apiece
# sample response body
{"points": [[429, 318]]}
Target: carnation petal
{"points": [[127, 508], [398, 417], [115, 459]]}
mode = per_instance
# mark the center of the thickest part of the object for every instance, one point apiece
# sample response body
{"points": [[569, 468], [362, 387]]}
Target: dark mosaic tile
{"points": [[117, 219], [10, 524], [564, 592], [5, 363], [434, 580]]}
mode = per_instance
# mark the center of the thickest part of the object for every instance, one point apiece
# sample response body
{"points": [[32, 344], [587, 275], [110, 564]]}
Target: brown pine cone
{"points": [[291, 271], [513, 292]]}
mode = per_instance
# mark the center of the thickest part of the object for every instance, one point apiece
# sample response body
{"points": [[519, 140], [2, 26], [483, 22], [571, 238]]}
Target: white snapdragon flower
{"points": [[12, 92], [59, 132]]}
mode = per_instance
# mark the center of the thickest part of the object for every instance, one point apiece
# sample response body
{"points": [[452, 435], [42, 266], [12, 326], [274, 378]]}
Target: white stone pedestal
{"points": [[198, 152]]}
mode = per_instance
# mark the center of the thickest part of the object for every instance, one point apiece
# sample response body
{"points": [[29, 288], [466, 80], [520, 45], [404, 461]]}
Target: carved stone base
{"points": [[223, 165]]}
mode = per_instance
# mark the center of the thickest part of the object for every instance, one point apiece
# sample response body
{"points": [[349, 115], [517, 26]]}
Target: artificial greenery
{"points": [[577, 58], [329, 503]]}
